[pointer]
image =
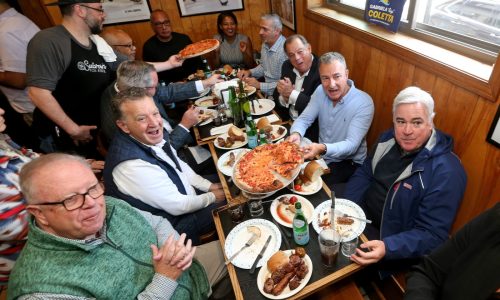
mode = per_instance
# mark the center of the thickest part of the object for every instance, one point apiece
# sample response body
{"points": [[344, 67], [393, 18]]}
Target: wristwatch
{"points": [[324, 151]]}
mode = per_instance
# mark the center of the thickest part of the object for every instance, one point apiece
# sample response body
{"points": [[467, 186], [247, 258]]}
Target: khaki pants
{"points": [[211, 256]]}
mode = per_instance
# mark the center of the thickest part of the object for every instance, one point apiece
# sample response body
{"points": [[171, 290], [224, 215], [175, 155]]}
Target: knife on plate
{"points": [[332, 211], [252, 269]]}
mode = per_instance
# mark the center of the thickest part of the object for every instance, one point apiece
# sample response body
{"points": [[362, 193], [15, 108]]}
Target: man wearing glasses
{"points": [[85, 245], [166, 43], [410, 187], [68, 67]]}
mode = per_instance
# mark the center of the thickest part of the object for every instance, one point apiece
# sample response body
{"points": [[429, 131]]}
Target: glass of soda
{"points": [[329, 242]]}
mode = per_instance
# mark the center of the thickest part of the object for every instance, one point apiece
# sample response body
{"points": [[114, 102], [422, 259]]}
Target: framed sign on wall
{"points": [[193, 7], [286, 10], [494, 133], [126, 11]]}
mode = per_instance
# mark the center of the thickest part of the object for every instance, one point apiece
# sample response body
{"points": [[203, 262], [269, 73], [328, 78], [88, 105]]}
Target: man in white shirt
{"points": [[143, 169], [299, 80]]}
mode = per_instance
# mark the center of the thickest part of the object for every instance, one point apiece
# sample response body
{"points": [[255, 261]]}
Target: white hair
{"points": [[276, 21], [413, 94]]}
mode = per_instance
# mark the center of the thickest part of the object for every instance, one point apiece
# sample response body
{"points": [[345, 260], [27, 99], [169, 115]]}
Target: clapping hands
{"points": [[173, 257]]}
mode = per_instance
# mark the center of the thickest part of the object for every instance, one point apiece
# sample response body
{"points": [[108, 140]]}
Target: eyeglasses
{"points": [[127, 45], [100, 10], [161, 24], [76, 201]]}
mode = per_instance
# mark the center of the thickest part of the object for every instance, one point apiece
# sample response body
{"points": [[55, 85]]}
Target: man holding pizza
{"points": [[143, 169], [166, 43], [272, 56], [344, 114]]}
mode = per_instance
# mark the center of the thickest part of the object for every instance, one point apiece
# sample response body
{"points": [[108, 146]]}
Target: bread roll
{"points": [[312, 172], [236, 133], [227, 69], [263, 123], [277, 260]]}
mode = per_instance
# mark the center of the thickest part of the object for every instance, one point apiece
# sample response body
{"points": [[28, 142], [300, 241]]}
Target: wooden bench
{"points": [[343, 290]]}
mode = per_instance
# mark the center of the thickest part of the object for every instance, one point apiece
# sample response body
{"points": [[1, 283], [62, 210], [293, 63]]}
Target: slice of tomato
{"points": [[293, 199], [297, 187]]}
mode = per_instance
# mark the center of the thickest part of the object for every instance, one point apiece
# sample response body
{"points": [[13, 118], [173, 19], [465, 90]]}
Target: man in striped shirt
{"points": [[272, 56]]}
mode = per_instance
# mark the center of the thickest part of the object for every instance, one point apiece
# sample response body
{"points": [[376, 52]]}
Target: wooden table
{"points": [[245, 283]]}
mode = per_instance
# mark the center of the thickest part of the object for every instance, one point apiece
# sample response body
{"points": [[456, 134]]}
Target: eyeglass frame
{"points": [[63, 202], [161, 24], [128, 45], [100, 10]]}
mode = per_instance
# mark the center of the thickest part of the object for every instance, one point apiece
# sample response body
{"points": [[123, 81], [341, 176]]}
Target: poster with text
{"points": [[125, 11], [386, 13]]}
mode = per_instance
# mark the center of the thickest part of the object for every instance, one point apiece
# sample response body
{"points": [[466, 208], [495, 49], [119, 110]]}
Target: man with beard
{"points": [[344, 115], [68, 67]]}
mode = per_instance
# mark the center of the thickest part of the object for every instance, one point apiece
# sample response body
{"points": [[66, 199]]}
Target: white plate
{"points": [[236, 144], [207, 121], [221, 163], [267, 106], [275, 132], [237, 238], [203, 93], [311, 188], [307, 209], [264, 274], [206, 102], [347, 232]]}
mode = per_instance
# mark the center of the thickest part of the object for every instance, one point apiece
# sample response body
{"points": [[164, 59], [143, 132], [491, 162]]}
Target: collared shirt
{"points": [[272, 59], [299, 81], [343, 127], [150, 184]]}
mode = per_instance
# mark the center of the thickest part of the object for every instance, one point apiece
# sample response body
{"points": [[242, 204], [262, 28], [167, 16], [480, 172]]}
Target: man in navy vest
{"points": [[143, 169]]}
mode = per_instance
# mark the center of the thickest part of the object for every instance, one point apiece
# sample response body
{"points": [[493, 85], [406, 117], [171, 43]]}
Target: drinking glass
{"points": [[256, 208], [349, 247], [329, 242], [236, 212]]}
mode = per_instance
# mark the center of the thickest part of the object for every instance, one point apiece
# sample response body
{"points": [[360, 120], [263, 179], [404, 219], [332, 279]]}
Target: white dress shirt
{"points": [[150, 184], [299, 81]]}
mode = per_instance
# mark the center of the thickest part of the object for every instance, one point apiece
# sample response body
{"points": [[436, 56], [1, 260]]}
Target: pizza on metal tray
{"points": [[199, 48], [265, 168]]}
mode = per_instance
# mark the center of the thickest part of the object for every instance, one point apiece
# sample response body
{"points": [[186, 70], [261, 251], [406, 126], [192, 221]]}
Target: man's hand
{"points": [[173, 257], [81, 134], [252, 82], [218, 191], [175, 61], [96, 165], [294, 138], [312, 150], [212, 80], [376, 253], [243, 74], [190, 117], [285, 88]]}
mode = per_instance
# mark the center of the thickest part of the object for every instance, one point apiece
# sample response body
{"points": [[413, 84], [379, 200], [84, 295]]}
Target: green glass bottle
{"points": [[235, 108], [262, 137], [251, 130], [243, 98], [206, 68], [300, 226]]}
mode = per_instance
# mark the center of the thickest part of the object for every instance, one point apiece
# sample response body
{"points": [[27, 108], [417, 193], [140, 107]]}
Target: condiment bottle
{"points": [[300, 226], [251, 130], [262, 137]]}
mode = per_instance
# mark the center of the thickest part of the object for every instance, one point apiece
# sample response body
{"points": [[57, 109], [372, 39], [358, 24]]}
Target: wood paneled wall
{"points": [[382, 74], [464, 115]]}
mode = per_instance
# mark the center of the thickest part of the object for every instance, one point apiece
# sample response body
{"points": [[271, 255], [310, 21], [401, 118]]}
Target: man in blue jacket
{"points": [[411, 186]]}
